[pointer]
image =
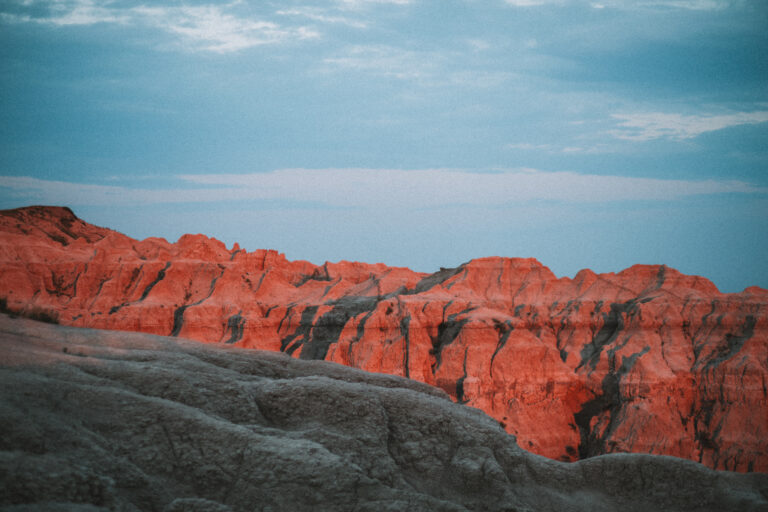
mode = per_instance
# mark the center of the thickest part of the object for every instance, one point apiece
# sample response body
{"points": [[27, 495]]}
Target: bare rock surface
{"points": [[646, 360], [96, 420]]}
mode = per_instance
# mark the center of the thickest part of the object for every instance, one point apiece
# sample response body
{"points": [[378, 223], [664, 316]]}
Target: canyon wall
{"points": [[646, 360]]}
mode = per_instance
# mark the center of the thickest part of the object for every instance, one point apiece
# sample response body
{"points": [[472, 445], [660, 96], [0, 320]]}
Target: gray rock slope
{"points": [[101, 420]]}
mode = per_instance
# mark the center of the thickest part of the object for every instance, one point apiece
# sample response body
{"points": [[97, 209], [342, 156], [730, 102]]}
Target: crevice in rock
{"points": [[433, 280], [178, 315], [503, 329], [178, 319], [460, 382], [290, 343], [236, 326], [733, 343], [447, 332], [285, 317], [608, 402], [405, 333], [160, 277], [328, 327], [613, 324], [316, 275]]}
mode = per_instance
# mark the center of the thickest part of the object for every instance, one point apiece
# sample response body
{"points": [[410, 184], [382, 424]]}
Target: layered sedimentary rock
{"points": [[645, 360], [103, 420]]}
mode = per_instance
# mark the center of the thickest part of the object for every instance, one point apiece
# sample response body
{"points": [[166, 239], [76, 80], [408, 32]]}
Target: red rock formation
{"points": [[645, 360]]}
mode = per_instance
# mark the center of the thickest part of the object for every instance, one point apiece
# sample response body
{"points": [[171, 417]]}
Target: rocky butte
{"points": [[647, 360]]}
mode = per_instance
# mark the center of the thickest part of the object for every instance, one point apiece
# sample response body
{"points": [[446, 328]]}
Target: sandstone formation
{"points": [[103, 420], [646, 360]]}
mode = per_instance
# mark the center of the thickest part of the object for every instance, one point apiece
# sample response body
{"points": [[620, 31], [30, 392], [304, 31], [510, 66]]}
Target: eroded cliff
{"points": [[646, 360]]}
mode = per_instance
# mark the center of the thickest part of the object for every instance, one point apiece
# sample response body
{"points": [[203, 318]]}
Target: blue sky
{"points": [[418, 133]]}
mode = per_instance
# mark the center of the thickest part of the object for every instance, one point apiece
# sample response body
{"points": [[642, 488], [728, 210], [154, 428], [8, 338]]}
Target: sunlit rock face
{"points": [[109, 420], [647, 360]]}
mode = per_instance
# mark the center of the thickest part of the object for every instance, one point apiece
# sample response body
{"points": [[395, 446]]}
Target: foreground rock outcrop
{"points": [[647, 360], [98, 420]]}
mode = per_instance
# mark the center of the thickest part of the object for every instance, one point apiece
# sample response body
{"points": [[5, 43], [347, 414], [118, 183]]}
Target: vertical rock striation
{"points": [[645, 360]]}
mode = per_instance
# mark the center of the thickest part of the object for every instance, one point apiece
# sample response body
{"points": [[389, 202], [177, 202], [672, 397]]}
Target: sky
{"points": [[418, 133]]}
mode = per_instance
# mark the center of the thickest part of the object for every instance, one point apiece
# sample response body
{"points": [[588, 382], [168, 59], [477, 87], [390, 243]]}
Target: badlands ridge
{"points": [[647, 360]]}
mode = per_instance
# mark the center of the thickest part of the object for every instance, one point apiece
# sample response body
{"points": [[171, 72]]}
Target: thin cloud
{"points": [[60, 192], [552, 149], [321, 16], [67, 12], [358, 4], [527, 146], [84, 12], [365, 188], [693, 5], [530, 3], [478, 45], [35, 190], [425, 68], [382, 60], [210, 27], [643, 127]]}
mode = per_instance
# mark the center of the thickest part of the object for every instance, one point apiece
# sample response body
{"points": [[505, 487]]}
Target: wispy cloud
{"points": [[66, 12], [211, 28], [643, 127], [85, 12], [552, 148], [321, 16], [433, 69], [478, 45], [692, 5], [60, 192], [383, 60], [695, 5], [365, 188], [220, 28], [527, 146], [532, 3], [357, 4]]}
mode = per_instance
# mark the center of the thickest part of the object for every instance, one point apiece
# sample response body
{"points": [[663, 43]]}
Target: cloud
{"points": [[527, 146], [216, 28], [60, 192], [211, 28], [692, 5], [383, 60], [695, 5], [425, 68], [358, 4], [84, 12], [376, 188], [643, 127], [67, 12], [552, 148], [478, 45], [530, 3], [321, 16]]}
